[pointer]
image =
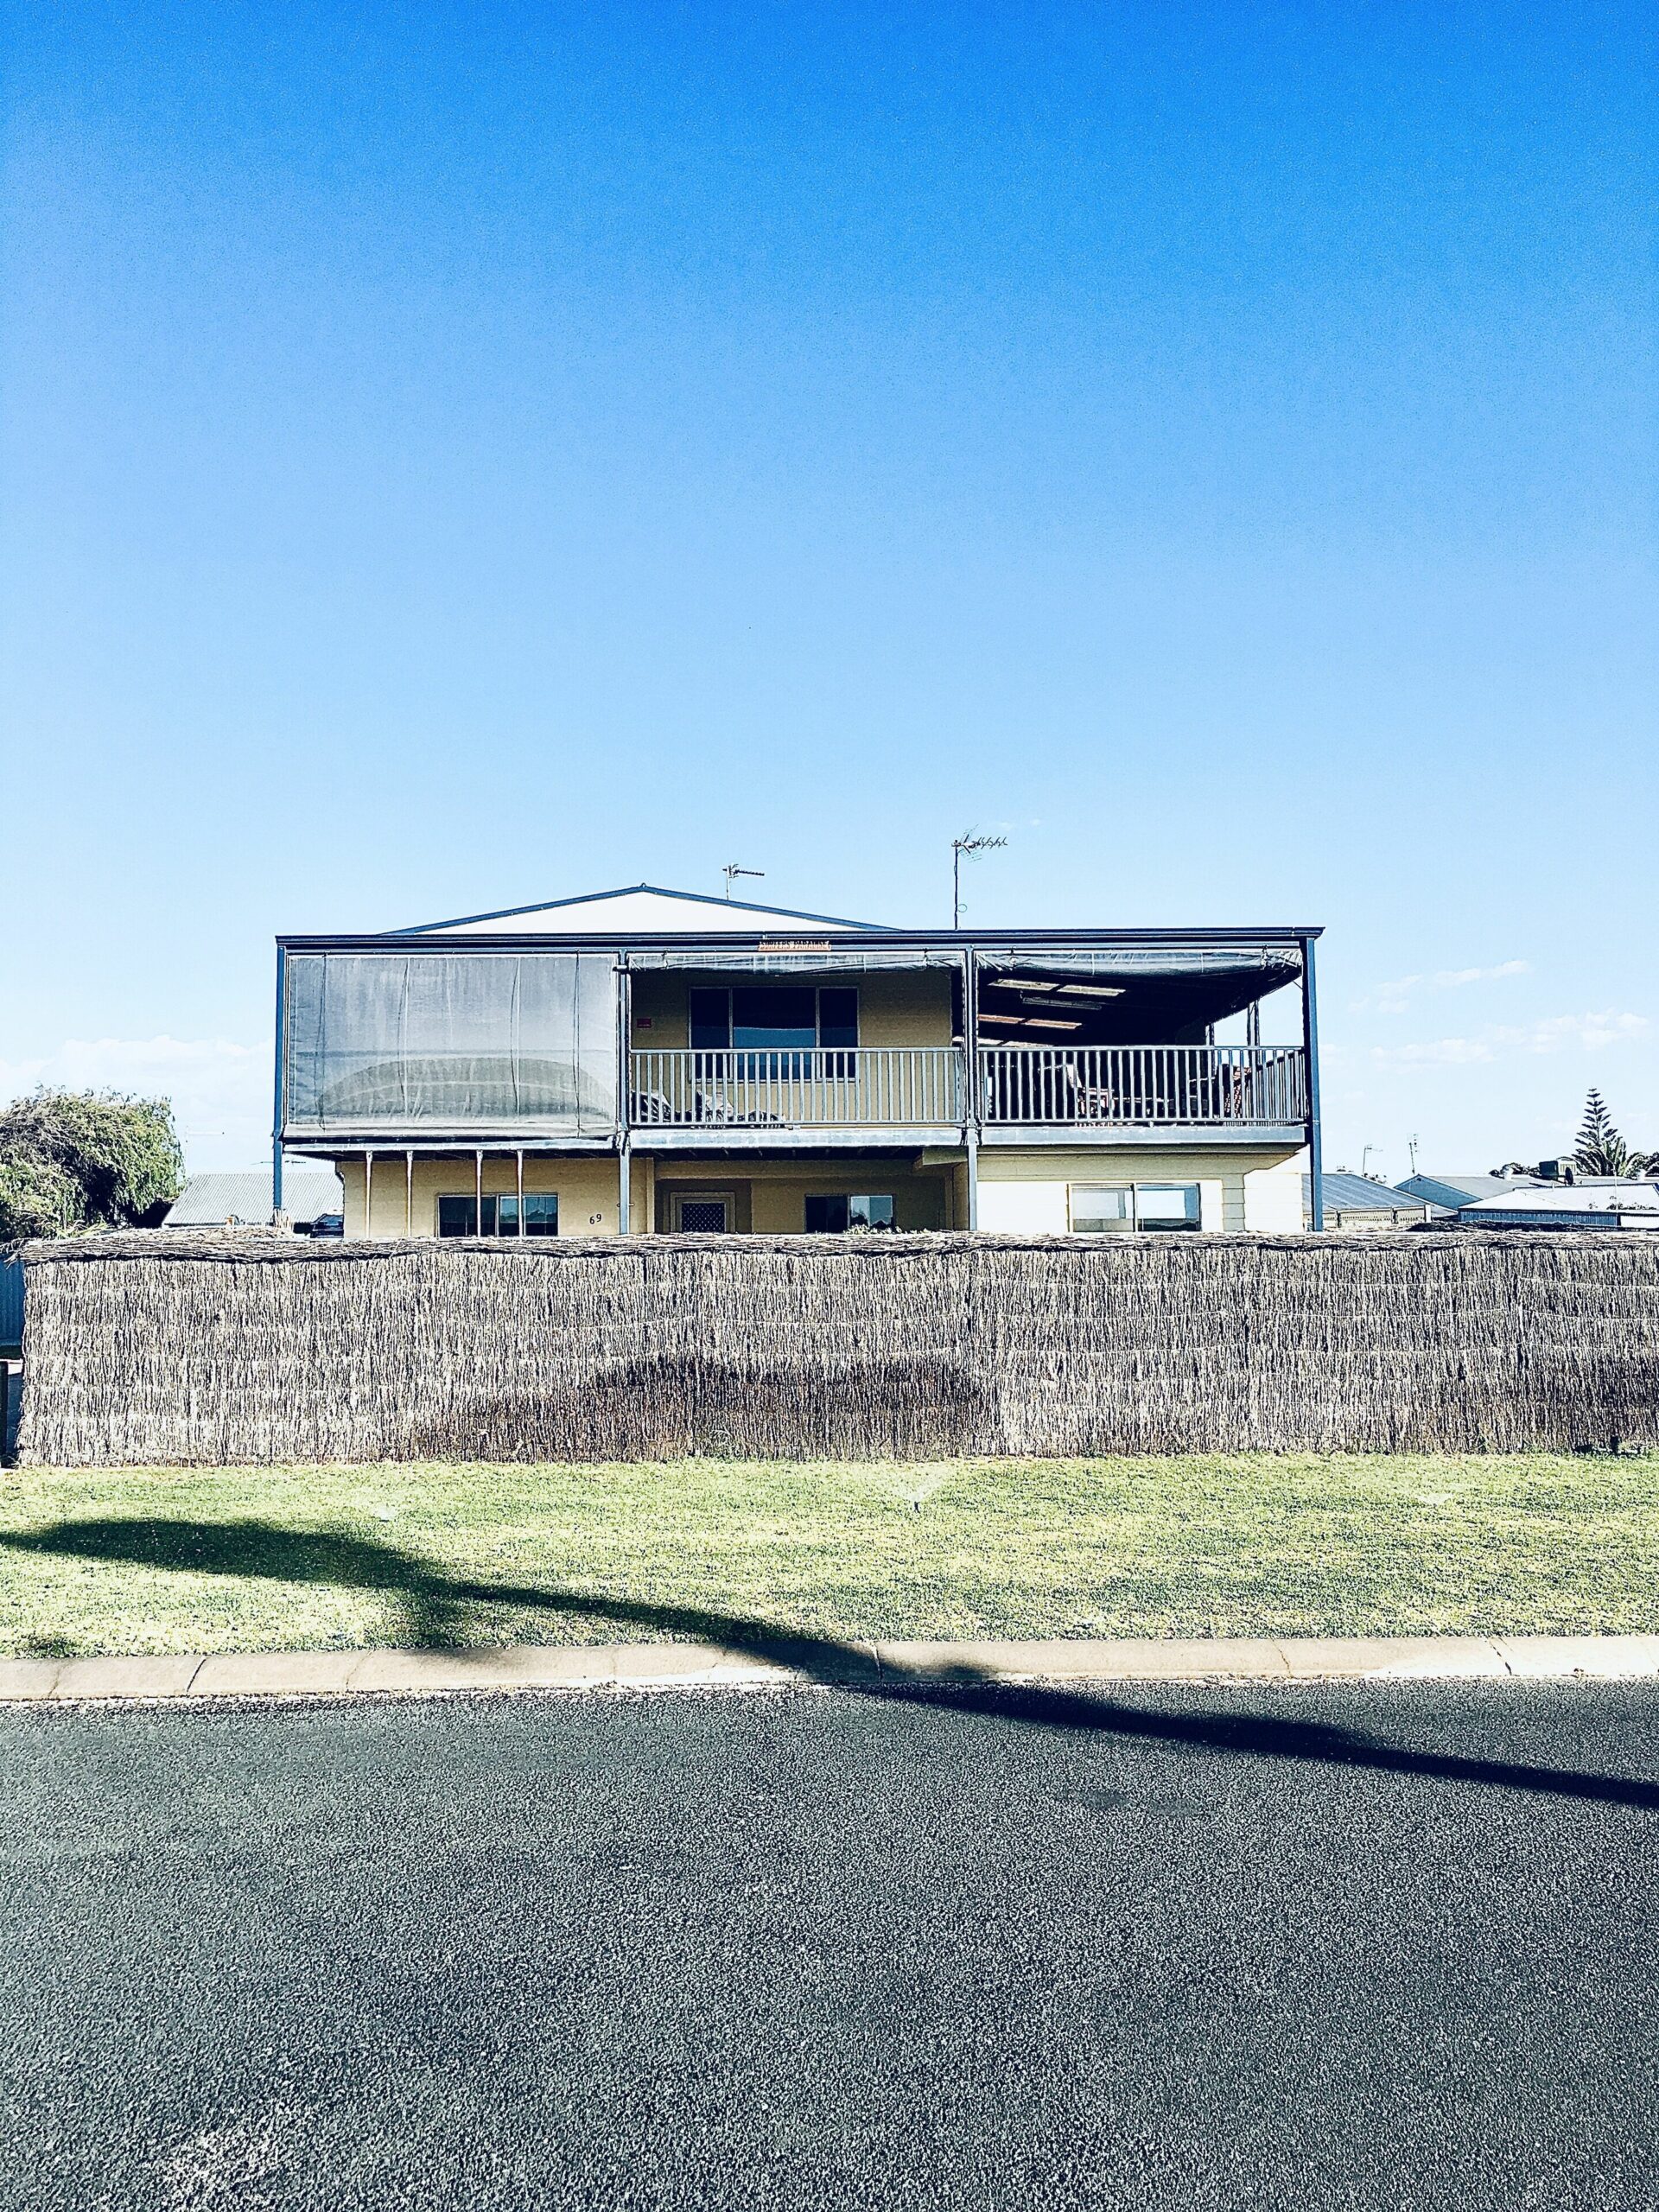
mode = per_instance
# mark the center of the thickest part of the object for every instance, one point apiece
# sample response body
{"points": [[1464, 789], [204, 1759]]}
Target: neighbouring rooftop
{"points": [[243, 1195]]}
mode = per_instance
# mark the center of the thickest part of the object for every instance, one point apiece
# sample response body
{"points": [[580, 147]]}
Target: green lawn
{"points": [[286, 1558]]}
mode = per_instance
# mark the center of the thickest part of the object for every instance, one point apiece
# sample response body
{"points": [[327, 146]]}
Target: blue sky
{"points": [[454, 456]]}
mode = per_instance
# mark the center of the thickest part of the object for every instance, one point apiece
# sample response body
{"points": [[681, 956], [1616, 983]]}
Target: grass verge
{"points": [[293, 1558]]}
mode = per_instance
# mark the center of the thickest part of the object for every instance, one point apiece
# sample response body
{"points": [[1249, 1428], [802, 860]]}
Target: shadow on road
{"points": [[438, 1609]]}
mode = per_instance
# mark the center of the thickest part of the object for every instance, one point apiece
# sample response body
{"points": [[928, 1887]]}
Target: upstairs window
{"points": [[771, 1023]]}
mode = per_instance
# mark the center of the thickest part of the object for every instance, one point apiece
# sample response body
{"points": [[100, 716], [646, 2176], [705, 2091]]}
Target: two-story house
{"points": [[652, 1061]]}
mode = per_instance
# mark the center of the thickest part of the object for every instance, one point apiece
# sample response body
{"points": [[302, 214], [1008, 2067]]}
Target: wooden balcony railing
{"points": [[1176, 1085], [871, 1087]]}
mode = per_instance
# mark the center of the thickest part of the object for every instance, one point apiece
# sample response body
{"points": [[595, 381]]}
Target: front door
{"points": [[702, 1213]]}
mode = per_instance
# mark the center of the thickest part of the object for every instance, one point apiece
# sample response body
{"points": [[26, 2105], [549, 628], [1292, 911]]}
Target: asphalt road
{"points": [[1290, 1948]]}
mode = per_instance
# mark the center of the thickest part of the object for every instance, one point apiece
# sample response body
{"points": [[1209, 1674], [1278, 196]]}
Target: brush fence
{"points": [[178, 1350]]}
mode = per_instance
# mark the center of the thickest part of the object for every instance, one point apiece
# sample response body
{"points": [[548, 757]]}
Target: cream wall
{"points": [[1273, 1196], [771, 1195], [909, 1007], [1025, 1193], [587, 1185], [1020, 1192]]}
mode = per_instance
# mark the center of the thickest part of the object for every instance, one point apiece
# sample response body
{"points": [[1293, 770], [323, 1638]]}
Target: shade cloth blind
{"points": [[1152, 960], [379, 1043]]}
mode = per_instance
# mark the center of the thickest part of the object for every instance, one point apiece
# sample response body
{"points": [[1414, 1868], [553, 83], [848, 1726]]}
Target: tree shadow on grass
{"points": [[438, 1609]]}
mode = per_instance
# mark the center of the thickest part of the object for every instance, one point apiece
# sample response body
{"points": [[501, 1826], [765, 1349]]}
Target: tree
{"points": [[1601, 1149], [75, 1160]]}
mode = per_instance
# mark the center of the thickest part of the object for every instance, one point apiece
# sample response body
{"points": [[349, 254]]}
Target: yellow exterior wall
{"points": [[587, 1185], [911, 1007], [1256, 1189], [771, 1195]]}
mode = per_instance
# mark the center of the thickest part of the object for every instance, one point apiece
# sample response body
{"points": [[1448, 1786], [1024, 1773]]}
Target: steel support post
{"points": [[1311, 1054], [277, 1101], [970, 1080], [624, 1071]]}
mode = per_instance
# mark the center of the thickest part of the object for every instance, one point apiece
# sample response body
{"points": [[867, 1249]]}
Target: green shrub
{"points": [[74, 1160]]}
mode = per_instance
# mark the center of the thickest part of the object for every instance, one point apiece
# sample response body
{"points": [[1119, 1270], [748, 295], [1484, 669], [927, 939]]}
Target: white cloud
{"points": [[1393, 997], [221, 1090], [1560, 1033]]}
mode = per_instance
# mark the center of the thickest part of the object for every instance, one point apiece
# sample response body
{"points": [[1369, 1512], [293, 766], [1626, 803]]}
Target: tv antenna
{"points": [[732, 870], [970, 843]]}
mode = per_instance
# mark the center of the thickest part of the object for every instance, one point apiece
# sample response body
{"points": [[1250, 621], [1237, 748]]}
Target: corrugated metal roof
{"points": [[209, 1201], [1455, 1190], [1344, 1193]]}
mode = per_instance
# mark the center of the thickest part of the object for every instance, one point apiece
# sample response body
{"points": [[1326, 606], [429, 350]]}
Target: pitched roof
{"points": [[1345, 1194], [1605, 1195], [645, 907], [1455, 1190], [209, 1201]]}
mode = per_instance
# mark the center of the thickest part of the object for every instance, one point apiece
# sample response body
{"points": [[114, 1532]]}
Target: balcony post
{"points": [[625, 1062], [1311, 1056], [276, 1103], [970, 1078]]}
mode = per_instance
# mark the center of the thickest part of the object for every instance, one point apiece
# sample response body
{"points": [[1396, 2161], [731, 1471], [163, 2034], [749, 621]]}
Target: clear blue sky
{"points": [[457, 455]]}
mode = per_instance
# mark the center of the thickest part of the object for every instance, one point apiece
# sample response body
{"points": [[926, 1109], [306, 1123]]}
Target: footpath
{"points": [[640, 1667]]}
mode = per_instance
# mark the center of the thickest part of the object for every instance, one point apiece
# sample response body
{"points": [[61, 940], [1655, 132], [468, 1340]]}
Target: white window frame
{"points": [[1134, 1227]]}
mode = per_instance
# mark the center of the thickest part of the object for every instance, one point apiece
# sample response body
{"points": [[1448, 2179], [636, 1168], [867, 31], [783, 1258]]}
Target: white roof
{"points": [[637, 910], [1573, 1198]]}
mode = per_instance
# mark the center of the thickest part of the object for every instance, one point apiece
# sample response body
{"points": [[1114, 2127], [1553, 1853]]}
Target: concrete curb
{"points": [[677, 1666]]}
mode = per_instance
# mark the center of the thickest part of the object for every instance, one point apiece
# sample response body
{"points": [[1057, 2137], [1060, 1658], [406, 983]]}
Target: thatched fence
{"points": [[178, 1349]]}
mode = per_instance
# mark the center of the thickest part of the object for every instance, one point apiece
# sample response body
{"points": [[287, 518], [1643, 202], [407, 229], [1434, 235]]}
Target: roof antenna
{"points": [[731, 869], [970, 844]]}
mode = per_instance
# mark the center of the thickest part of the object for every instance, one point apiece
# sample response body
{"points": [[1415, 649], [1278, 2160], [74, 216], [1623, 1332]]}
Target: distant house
{"points": [[1592, 1203], [1446, 1194], [1356, 1204], [242, 1199]]}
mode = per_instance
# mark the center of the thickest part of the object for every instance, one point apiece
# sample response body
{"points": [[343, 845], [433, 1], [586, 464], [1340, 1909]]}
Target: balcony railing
{"points": [[873, 1087], [1173, 1086]]}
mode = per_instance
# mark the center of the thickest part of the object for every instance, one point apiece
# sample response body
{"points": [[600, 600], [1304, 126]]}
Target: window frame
{"points": [[839, 1041], [1135, 1226], [495, 1203], [849, 1200]]}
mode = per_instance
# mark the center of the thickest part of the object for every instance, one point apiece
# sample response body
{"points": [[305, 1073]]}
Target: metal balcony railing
{"points": [[871, 1087], [1177, 1085], [1169, 1086]]}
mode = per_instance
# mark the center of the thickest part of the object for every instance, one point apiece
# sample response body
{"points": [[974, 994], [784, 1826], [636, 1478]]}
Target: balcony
{"points": [[1227, 1087], [1147, 1086], [897, 1087]]}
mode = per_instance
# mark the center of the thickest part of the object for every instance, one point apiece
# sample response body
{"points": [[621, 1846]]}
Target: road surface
{"points": [[1278, 1948]]}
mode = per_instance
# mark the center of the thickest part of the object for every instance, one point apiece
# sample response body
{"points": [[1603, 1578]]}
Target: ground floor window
{"points": [[1119, 1209], [702, 1213], [830, 1216], [458, 1216]]}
